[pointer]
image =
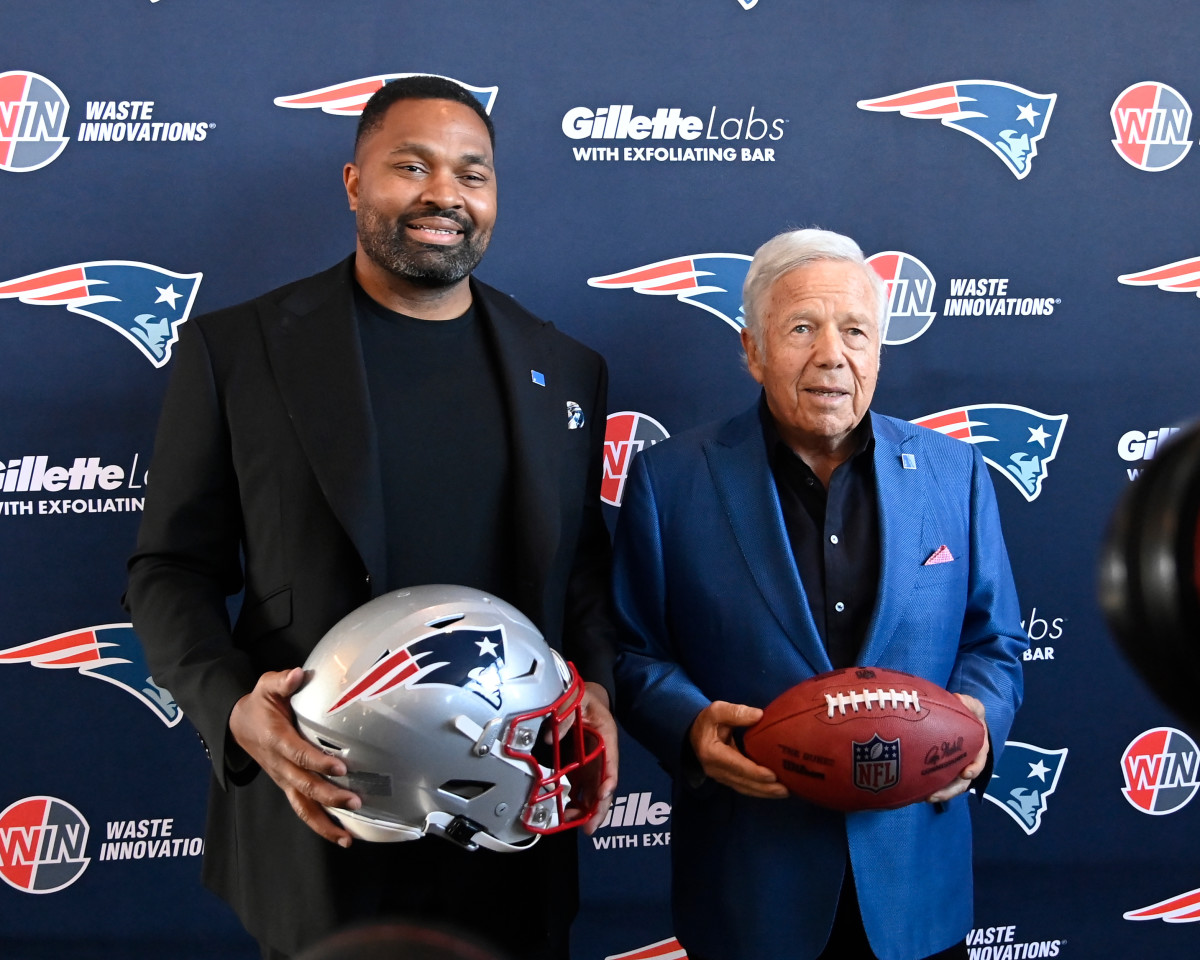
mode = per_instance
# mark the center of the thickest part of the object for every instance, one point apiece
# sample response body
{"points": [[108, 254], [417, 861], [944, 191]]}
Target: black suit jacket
{"points": [[266, 479]]}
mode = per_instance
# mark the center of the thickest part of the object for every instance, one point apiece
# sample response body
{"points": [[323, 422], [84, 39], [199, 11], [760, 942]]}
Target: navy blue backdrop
{"points": [[1023, 169]]}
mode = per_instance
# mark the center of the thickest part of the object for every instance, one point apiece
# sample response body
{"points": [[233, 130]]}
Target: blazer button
{"points": [[368, 581]]}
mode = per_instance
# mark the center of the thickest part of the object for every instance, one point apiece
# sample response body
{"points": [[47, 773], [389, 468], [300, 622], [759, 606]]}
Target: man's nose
{"points": [[828, 347], [441, 189]]}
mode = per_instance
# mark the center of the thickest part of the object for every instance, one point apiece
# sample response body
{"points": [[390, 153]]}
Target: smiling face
{"points": [[819, 358], [423, 189]]}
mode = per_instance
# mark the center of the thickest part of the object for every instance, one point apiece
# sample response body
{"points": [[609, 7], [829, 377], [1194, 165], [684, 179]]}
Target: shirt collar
{"points": [[864, 434]]}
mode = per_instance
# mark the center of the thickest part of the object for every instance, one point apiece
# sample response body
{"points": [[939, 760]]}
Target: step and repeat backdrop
{"points": [[1023, 175]]}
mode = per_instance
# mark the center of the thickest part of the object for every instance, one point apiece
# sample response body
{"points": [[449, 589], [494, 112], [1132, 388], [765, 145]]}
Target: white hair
{"points": [[798, 248]]}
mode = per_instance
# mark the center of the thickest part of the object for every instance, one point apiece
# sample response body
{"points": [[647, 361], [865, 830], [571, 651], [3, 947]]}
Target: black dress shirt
{"points": [[834, 535]]}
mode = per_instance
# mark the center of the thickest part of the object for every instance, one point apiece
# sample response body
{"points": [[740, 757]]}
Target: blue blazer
{"points": [[712, 608]]}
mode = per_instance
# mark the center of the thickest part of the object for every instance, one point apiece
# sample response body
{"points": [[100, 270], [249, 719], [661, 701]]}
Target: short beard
{"points": [[424, 264]]}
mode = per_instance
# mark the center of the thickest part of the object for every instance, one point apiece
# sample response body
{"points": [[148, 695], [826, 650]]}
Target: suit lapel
{"points": [[316, 357], [737, 460], [536, 420], [902, 502]]}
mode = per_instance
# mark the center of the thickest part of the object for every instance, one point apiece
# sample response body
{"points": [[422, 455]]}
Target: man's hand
{"points": [[972, 769], [263, 725], [712, 740], [596, 714]]}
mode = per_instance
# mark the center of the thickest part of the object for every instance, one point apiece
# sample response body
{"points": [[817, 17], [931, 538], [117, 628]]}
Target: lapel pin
{"points": [[538, 377], [908, 461], [575, 418]]}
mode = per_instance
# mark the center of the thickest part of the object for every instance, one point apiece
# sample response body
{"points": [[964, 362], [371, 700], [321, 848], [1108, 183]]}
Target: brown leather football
{"points": [[865, 738]]}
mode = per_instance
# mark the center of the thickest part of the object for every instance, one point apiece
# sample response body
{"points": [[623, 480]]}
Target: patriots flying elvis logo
{"points": [[1182, 276], [1007, 119], [1016, 441], [1022, 781], [109, 652], [710, 281], [1184, 908], [348, 99], [142, 302], [467, 658]]}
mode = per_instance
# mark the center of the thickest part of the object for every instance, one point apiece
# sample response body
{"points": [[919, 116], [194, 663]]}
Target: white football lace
{"points": [[868, 698]]}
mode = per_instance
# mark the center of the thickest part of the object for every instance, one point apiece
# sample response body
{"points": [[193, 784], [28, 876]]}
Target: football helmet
{"points": [[454, 718]]}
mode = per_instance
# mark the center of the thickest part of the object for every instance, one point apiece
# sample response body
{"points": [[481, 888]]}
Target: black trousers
{"points": [[848, 939], [520, 904]]}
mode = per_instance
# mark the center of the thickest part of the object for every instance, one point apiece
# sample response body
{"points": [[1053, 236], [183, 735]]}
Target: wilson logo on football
{"points": [[42, 845], [1160, 768]]}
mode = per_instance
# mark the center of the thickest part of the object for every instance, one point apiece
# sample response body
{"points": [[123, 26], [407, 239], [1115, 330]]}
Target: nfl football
{"points": [[865, 738]]}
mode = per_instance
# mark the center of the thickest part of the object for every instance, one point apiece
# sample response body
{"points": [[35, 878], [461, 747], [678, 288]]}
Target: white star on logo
{"points": [[168, 295], [1039, 435], [1027, 113], [1039, 770], [486, 648]]}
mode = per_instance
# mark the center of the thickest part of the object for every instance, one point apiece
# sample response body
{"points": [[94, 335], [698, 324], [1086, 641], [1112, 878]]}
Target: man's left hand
{"points": [[596, 714], [972, 769]]}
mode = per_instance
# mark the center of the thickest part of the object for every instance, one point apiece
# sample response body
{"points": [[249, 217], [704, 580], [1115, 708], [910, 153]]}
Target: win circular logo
{"points": [[1151, 122], [42, 844], [910, 288], [1160, 768], [33, 121], [625, 434]]}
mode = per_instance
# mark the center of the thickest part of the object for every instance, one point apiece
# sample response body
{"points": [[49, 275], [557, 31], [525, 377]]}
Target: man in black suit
{"points": [[386, 423]]}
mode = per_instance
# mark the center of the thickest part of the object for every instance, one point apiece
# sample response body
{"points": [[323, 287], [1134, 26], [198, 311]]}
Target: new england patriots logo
{"points": [[471, 659], [348, 99], [142, 302], [1017, 441], [1182, 276], [710, 281], [1007, 119], [1184, 908], [1022, 781], [110, 652]]}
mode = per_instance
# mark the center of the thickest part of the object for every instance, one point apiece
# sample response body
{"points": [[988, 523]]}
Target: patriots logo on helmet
{"points": [[471, 659], [1182, 276], [671, 948], [710, 281], [1016, 441], [142, 302], [110, 652], [1007, 119], [1184, 908], [348, 99], [1022, 781]]}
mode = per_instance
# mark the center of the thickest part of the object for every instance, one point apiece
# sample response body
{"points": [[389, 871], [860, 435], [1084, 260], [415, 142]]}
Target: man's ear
{"points": [[350, 179]]}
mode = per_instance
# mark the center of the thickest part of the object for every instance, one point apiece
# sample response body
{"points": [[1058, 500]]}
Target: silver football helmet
{"points": [[454, 718]]}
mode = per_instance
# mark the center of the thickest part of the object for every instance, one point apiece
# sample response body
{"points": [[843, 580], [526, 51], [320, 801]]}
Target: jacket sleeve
{"points": [[187, 559], [657, 700], [588, 631], [992, 641]]}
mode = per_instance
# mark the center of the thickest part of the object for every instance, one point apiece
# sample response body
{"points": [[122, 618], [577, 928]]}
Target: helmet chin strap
{"points": [[470, 835]]}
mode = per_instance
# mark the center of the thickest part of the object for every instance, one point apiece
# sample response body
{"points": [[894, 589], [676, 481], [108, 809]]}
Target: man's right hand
{"points": [[712, 740], [263, 725]]}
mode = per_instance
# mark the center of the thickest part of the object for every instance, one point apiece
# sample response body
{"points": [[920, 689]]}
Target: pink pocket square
{"points": [[941, 555]]}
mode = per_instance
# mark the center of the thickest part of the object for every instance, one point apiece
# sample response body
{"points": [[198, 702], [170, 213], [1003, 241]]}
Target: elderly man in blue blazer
{"points": [[805, 534]]}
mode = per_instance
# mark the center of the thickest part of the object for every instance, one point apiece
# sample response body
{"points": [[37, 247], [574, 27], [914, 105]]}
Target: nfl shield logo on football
{"points": [[876, 764]]}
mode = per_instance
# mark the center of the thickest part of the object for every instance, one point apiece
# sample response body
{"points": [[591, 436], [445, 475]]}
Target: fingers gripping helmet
{"points": [[453, 717]]}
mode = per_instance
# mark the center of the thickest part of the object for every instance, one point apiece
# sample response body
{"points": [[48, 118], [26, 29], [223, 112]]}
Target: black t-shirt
{"points": [[442, 427]]}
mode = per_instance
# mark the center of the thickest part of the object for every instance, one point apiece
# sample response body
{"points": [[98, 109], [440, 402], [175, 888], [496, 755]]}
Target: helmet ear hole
{"points": [[465, 789]]}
